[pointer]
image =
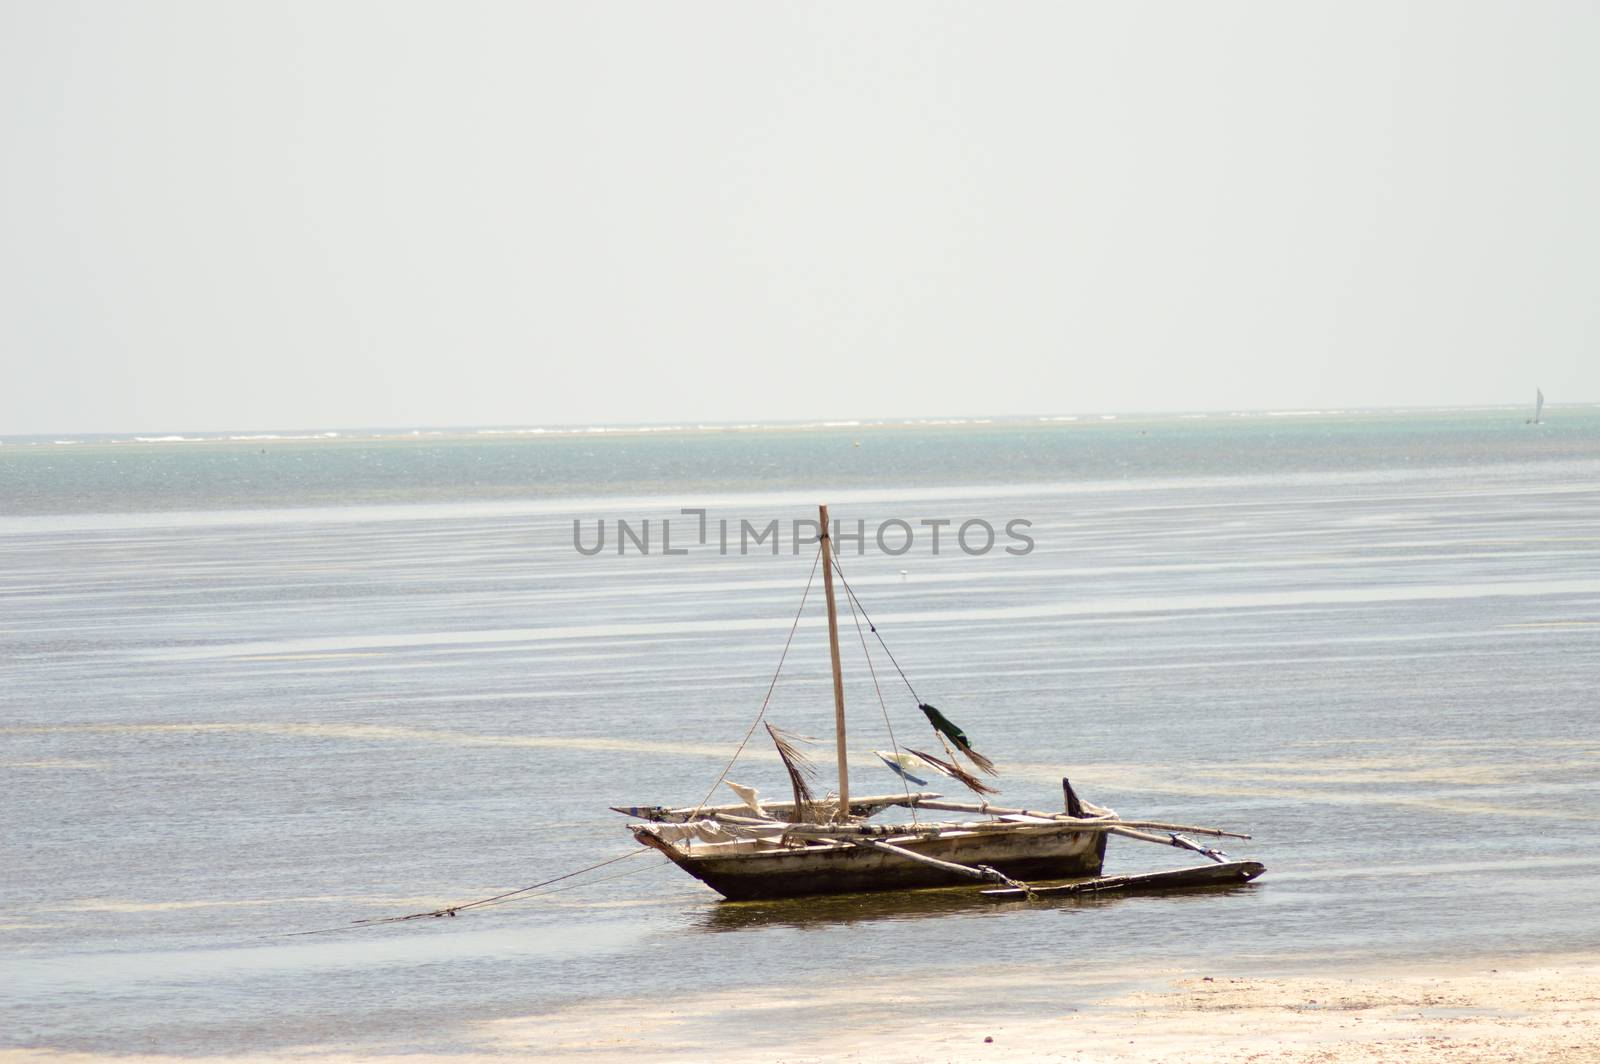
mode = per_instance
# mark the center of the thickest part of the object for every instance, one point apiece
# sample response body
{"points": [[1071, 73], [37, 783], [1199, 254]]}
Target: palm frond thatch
{"points": [[983, 763], [971, 782], [798, 765]]}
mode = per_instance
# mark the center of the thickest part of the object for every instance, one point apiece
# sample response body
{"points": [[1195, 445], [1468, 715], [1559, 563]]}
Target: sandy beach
{"points": [[1548, 1011]]}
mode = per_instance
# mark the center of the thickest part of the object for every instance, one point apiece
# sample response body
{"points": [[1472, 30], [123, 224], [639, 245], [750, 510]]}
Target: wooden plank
{"points": [[866, 805], [1216, 875], [854, 832], [996, 810], [1170, 839], [912, 855], [1189, 844]]}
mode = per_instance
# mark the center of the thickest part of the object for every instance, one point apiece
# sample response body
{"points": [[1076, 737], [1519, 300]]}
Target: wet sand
{"points": [[1544, 1011]]}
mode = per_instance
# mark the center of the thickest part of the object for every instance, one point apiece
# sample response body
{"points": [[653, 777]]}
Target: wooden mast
{"points": [[838, 676]]}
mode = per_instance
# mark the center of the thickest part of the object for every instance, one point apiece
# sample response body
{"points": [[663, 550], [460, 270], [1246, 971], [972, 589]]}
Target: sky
{"points": [[383, 214]]}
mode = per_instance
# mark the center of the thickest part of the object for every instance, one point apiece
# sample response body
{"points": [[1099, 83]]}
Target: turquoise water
{"points": [[255, 687], [119, 474]]}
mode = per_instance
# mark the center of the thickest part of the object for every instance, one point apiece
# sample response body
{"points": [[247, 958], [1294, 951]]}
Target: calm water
{"points": [[255, 687]]}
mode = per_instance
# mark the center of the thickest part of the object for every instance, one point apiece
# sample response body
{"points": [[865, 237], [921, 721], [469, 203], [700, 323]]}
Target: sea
{"points": [[254, 685]]}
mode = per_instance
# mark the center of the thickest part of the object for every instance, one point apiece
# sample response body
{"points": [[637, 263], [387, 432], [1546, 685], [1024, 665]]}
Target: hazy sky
{"points": [[251, 215]]}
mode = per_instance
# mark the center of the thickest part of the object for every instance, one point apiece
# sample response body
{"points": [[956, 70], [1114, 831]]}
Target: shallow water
{"points": [[239, 704]]}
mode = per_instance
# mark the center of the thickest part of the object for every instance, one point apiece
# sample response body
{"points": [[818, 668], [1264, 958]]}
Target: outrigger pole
{"points": [[838, 677]]}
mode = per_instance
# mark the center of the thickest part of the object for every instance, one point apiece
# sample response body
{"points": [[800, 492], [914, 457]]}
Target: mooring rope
{"points": [[526, 892], [451, 910], [575, 886]]}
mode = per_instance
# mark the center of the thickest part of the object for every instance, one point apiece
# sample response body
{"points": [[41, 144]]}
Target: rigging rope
{"points": [[770, 687], [881, 703], [856, 603]]}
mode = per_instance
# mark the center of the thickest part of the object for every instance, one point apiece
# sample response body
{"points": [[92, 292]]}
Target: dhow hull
{"points": [[841, 869]]}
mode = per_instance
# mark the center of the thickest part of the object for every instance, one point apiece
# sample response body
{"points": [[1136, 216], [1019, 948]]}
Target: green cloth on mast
{"points": [[944, 726], [943, 723]]}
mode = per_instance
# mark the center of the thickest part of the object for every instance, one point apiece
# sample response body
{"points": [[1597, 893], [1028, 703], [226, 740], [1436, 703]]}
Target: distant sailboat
{"points": [[1538, 409]]}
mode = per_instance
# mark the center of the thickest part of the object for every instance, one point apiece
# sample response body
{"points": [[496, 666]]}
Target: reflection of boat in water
{"points": [[1538, 409], [910, 905], [827, 846], [836, 909]]}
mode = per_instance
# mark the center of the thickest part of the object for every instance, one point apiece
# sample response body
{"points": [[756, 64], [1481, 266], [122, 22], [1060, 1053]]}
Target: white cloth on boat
{"points": [[749, 796], [704, 830]]}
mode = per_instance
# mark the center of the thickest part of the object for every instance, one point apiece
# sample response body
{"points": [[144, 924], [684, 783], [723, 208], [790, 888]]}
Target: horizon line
{"points": [[402, 431]]}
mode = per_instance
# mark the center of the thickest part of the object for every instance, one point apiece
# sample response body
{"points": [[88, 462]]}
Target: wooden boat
{"points": [[767, 850], [774, 861]]}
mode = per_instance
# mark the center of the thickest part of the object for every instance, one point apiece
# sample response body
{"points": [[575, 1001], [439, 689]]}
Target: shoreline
{"points": [[1543, 1009], [1539, 1010]]}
